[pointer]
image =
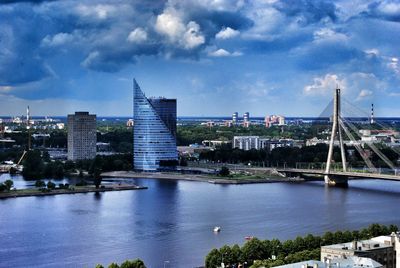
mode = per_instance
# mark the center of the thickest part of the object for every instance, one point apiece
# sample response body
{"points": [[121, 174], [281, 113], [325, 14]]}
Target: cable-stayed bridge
{"points": [[346, 126]]}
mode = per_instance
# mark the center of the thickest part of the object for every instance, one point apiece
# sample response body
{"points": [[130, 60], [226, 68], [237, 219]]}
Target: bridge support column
{"points": [[336, 132], [332, 180]]}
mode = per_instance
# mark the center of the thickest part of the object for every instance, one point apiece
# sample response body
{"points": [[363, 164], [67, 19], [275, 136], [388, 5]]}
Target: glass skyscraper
{"points": [[154, 131]]}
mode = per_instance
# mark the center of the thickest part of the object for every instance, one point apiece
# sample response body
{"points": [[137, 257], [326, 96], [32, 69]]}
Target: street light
{"points": [[165, 262]]}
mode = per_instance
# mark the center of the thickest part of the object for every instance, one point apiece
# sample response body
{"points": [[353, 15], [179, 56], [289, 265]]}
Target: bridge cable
{"points": [[374, 148], [357, 146]]}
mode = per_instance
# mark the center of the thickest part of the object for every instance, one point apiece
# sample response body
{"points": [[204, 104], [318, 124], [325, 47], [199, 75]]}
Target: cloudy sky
{"points": [[214, 56]]}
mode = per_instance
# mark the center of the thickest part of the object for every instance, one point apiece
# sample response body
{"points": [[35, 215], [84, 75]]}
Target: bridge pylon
{"points": [[336, 133]]}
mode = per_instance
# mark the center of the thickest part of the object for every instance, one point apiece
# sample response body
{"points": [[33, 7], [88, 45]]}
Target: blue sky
{"points": [[215, 56]]}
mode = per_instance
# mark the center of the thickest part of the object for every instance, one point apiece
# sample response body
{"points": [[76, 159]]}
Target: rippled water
{"points": [[173, 220]]}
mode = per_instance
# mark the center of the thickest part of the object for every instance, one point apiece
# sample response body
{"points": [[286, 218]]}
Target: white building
{"points": [[246, 142], [383, 249], [351, 262]]}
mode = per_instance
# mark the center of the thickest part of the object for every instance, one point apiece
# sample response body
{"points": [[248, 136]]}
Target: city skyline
{"points": [[215, 57]]}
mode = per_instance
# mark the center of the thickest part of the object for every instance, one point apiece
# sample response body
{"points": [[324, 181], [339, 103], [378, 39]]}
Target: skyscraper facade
{"points": [[154, 131], [81, 136]]}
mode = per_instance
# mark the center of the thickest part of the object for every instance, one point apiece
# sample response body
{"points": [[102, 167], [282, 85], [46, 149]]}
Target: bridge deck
{"points": [[353, 175]]}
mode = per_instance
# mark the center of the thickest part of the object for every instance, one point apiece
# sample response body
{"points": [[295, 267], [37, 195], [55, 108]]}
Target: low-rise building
{"points": [[350, 262], [246, 142], [382, 249]]}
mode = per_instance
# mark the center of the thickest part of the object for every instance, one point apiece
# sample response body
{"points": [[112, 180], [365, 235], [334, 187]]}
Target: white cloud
{"points": [[394, 65], [364, 93], [389, 7], [139, 35], [324, 85], [329, 34], [192, 37], [227, 33], [5, 88], [93, 56], [170, 24], [100, 11], [57, 40], [224, 53]]}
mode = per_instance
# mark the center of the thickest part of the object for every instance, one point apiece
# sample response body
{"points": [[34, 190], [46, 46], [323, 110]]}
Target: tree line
{"points": [[291, 155], [126, 264], [259, 253], [37, 165]]}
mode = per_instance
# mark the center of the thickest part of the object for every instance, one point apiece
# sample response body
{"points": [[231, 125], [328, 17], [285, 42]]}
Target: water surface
{"points": [[173, 220]]}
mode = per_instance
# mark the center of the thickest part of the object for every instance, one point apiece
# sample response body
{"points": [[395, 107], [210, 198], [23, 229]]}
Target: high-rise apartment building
{"points": [[81, 136], [235, 118], [246, 117], [154, 132]]}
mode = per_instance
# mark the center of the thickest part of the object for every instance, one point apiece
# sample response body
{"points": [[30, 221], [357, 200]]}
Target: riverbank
{"points": [[200, 177], [71, 190]]}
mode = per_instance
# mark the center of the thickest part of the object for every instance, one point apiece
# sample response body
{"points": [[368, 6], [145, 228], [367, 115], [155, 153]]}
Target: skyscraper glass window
{"points": [[154, 131]]}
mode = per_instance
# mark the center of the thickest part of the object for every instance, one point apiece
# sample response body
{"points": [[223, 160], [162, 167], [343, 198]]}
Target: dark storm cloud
{"points": [[311, 11], [23, 1]]}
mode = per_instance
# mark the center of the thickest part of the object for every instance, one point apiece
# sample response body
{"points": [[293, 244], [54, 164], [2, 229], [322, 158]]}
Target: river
{"points": [[172, 222]]}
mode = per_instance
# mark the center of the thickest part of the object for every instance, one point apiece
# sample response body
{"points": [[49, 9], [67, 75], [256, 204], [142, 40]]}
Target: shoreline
{"points": [[196, 177], [75, 190]]}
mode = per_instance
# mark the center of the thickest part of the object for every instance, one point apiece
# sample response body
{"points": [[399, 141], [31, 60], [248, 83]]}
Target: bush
{"points": [[81, 183], [224, 172], [40, 184], [9, 184], [51, 185]]}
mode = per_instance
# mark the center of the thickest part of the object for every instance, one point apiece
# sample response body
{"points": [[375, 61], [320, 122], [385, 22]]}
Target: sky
{"points": [[215, 57]]}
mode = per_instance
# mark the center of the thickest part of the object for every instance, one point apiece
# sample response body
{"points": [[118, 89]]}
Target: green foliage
{"points": [[2, 187], [9, 184], [97, 179], [33, 165], [260, 252], [81, 183], [51, 185], [137, 263], [40, 184], [133, 264], [224, 172]]}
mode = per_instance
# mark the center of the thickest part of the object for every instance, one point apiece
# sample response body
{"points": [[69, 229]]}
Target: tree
{"points": [[40, 184], [33, 165], [254, 250], [99, 266], [213, 259], [9, 184], [224, 172], [113, 265], [2, 187], [51, 185], [97, 178], [133, 264]]}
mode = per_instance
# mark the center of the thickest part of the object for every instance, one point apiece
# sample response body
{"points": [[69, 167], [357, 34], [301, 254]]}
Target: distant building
{"points": [[271, 144], [246, 142], [382, 249], [228, 123], [351, 262], [274, 120], [255, 142], [81, 136], [235, 118], [214, 143], [154, 132], [246, 117]]}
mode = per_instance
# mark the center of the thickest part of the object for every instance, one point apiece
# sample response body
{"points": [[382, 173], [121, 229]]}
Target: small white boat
{"points": [[217, 229]]}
